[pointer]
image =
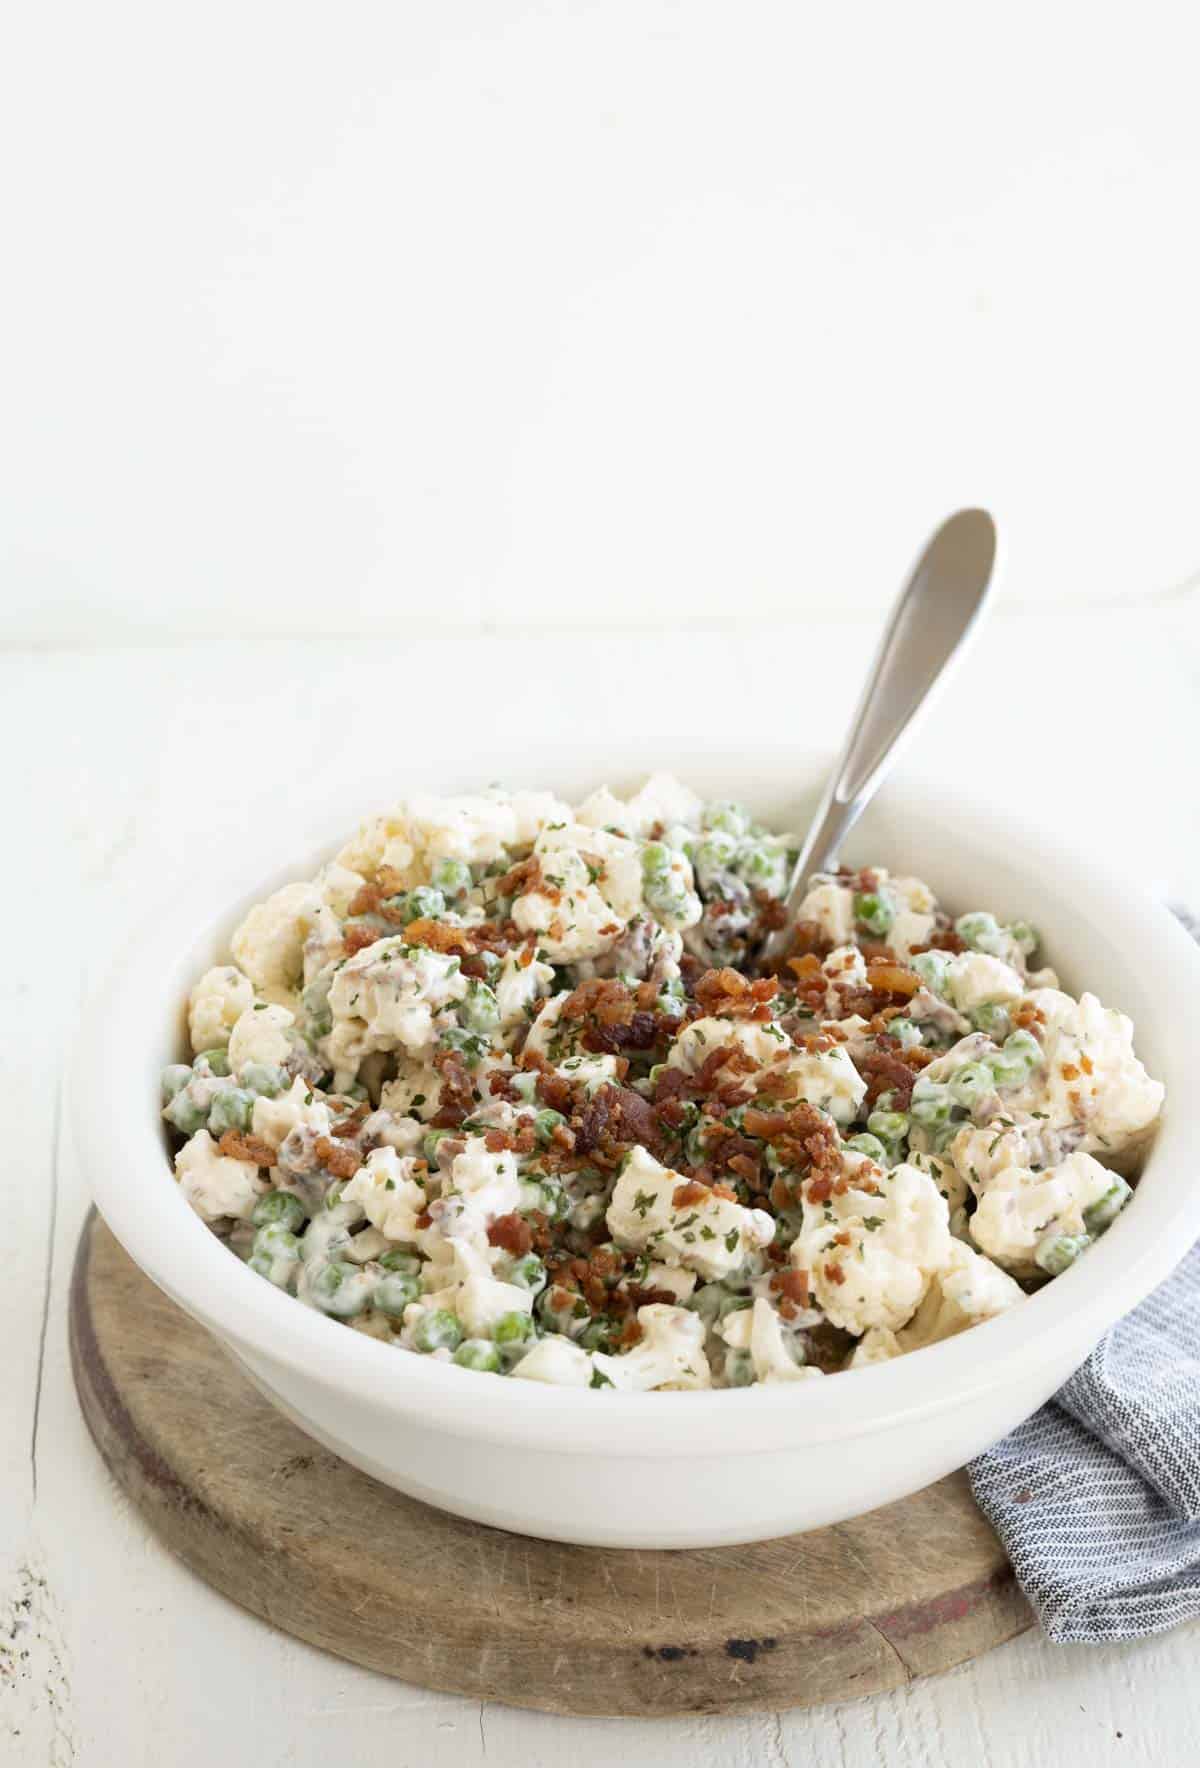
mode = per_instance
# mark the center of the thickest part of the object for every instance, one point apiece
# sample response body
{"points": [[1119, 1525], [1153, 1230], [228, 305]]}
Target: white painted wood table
{"points": [[123, 765]]}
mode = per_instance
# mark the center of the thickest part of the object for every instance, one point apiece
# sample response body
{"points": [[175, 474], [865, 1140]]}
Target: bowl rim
{"points": [[180, 1253]]}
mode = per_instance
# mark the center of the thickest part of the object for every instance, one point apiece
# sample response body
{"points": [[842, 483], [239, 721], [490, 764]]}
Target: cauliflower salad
{"points": [[505, 1086]]}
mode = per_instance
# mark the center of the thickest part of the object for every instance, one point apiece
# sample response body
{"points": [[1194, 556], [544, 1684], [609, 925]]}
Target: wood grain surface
{"points": [[316, 1548]]}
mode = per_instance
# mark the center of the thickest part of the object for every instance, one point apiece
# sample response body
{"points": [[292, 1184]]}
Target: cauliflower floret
{"points": [[592, 890], [389, 997], [481, 828], [215, 1005], [831, 907], [915, 913], [592, 1072], [483, 1300], [338, 886], [274, 1120], [663, 799], [387, 1187], [827, 1079], [670, 1353], [967, 1290], [706, 1233], [879, 1345], [1020, 1208], [480, 1186], [557, 1361], [518, 986], [1091, 1078], [768, 1349], [548, 1036], [979, 1152], [972, 979], [215, 1185], [261, 1035], [417, 1086], [897, 1239], [383, 842], [269, 944]]}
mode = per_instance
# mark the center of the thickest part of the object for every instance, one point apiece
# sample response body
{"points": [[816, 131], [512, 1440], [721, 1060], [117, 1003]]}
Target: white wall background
{"points": [[320, 318]]}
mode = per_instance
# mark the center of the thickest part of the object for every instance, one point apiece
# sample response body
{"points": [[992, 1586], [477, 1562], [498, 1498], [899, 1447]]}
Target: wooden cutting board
{"points": [[287, 1530]]}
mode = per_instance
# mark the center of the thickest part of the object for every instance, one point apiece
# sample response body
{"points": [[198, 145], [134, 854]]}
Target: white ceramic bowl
{"points": [[671, 1469]]}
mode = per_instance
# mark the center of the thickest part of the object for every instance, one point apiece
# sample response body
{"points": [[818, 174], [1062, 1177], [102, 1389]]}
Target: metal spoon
{"points": [[930, 622]]}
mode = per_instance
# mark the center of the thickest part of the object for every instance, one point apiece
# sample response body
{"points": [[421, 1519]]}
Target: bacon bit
{"points": [[794, 1284], [810, 941], [526, 875], [728, 992], [744, 1166], [439, 936], [366, 899], [685, 1195], [1085, 1062], [424, 1219], [343, 1163], [725, 1192], [1075, 1102], [236, 1145], [511, 1232], [357, 939], [820, 1189], [780, 1195], [497, 1141], [629, 1334], [834, 1274], [525, 958], [788, 1308], [457, 1095], [609, 928], [892, 979], [1069, 1071], [560, 1300], [886, 1071], [843, 1239]]}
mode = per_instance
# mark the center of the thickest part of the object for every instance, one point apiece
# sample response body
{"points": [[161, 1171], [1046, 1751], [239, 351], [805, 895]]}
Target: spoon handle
{"points": [[927, 628]]}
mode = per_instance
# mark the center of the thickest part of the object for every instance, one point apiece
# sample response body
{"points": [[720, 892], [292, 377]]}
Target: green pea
{"points": [[421, 904], [185, 1114], [452, 877], [438, 1330], [906, 1033], [527, 1273], [932, 1104], [724, 815], [279, 1209], [980, 931], [545, 1124], [1108, 1207], [889, 1126], [871, 1146], [931, 967], [339, 1289], [765, 864], [480, 1010], [397, 1291], [1026, 938], [275, 1255], [874, 911], [715, 854], [513, 1328], [993, 1019], [1013, 1064], [402, 1259], [739, 1369], [1057, 1251], [971, 1083], [315, 1002], [230, 1110], [524, 1085], [477, 1353], [656, 860], [217, 1062], [262, 1079], [174, 1078], [472, 1046]]}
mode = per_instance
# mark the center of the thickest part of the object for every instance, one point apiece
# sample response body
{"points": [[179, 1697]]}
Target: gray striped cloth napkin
{"points": [[1097, 1497]]}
